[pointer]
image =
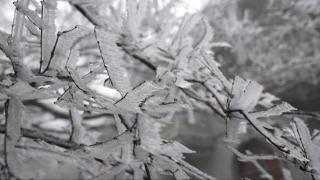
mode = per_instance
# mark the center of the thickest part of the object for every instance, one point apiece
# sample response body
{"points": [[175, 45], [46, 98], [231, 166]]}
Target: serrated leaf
{"points": [[70, 65], [290, 151], [211, 64], [304, 139], [207, 36], [133, 99], [102, 150], [168, 165], [275, 110], [246, 94], [149, 131], [112, 55], [14, 115], [66, 40], [48, 32]]}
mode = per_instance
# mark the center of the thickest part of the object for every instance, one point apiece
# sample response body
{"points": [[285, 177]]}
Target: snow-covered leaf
{"points": [[168, 165], [290, 151], [66, 41], [211, 64], [102, 150], [70, 66], [112, 55], [32, 15], [207, 36], [48, 32], [267, 99], [310, 149], [275, 110], [149, 131], [14, 117], [133, 99], [246, 94]]}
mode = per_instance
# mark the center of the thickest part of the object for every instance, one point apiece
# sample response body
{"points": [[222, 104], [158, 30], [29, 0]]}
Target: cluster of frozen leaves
{"points": [[183, 76]]}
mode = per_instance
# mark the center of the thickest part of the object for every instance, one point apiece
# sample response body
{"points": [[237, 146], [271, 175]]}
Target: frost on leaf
{"points": [[246, 94], [290, 151], [112, 57], [207, 36], [212, 65], [71, 98], [310, 149], [66, 41], [275, 110], [70, 66], [134, 98], [149, 131], [48, 32], [165, 164], [14, 115], [32, 15], [102, 150], [165, 156]]}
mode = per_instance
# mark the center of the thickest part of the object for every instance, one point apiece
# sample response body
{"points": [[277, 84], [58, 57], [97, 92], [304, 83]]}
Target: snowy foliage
{"points": [[179, 74]]}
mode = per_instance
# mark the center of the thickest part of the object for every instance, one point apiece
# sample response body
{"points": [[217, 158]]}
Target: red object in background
{"points": [[249, 170]]}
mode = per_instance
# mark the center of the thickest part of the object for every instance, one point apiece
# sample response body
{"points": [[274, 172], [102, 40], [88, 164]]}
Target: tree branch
{"points": [[36, 135]]}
